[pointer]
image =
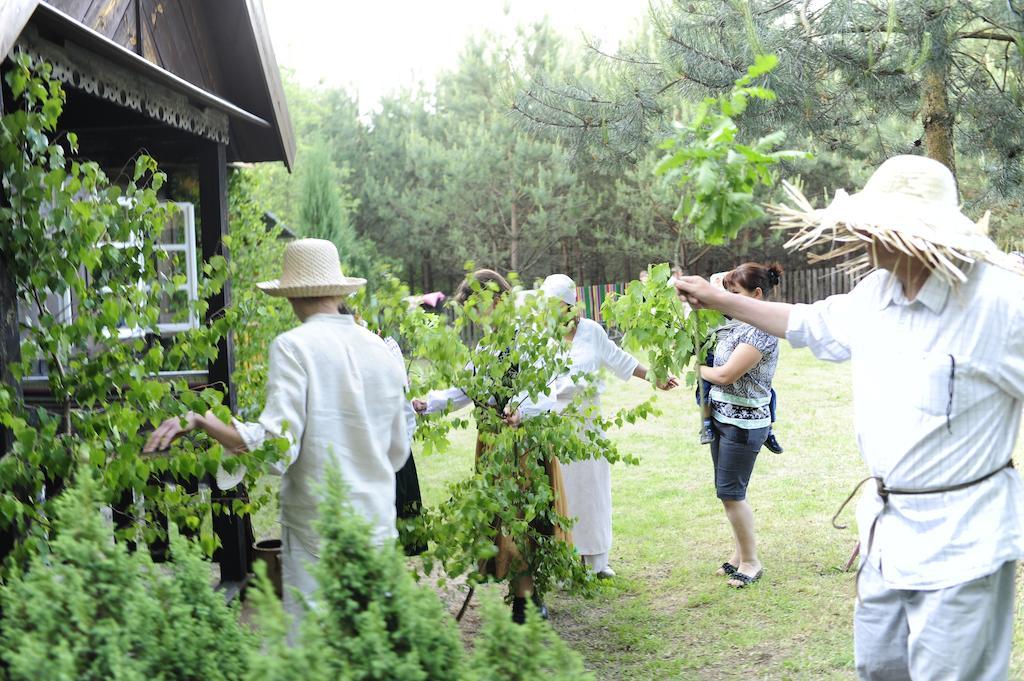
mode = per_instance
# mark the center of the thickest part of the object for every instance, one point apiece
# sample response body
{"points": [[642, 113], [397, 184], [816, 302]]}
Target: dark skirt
{"points": [[409, 504]]}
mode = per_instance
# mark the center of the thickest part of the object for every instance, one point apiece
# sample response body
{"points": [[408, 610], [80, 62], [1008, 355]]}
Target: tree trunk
{"points": [[936, 116], [514, 239], [565, 255]]}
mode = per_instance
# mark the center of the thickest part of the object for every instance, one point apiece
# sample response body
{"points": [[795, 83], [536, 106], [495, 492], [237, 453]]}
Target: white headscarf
{"points": [[561, 287]]}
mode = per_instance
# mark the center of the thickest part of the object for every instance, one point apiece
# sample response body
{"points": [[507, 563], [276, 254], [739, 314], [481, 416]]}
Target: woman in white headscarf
{"points": [[588, 483]]}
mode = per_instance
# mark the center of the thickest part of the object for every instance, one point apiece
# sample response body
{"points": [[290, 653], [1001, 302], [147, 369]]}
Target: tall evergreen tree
{"points": [[320, 214], [847, 67]]}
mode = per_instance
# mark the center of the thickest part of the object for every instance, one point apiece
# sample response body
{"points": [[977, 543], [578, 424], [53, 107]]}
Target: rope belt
{"points": [[884, 492]]}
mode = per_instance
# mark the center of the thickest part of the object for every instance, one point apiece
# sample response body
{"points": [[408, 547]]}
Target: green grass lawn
{"points": [[666, 616]]}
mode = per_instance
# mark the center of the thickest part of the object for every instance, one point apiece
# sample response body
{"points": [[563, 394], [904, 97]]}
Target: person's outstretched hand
{"points": [[419, 406], [670, 383], [169, 431], [512, 418], [697, 292]]}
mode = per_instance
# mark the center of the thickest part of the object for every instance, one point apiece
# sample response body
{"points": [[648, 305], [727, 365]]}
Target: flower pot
{"points": [[269, 551]]}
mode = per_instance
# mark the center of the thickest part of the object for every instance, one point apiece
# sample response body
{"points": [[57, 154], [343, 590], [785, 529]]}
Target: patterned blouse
{"points": [[745, 403]]}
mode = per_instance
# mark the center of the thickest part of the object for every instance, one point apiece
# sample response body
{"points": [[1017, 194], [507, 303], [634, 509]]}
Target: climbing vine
{"points": [[81, 252]]}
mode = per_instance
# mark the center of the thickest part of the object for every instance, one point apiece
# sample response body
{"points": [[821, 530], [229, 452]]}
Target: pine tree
{"points": [[372, 621], [320, 213], [505, 651], [200, 636], [274, 659], [328, 209], [847, 67]]}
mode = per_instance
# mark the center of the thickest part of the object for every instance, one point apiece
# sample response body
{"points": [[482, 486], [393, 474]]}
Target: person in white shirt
{"points": [[337, 394], [936, 340], [588, 483]]}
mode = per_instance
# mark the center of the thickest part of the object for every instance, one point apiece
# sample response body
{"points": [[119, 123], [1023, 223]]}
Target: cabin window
{"points": [[178, 272]]}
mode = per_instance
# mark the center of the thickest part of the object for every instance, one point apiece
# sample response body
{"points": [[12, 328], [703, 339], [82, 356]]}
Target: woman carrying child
{"points": [[707, 434]]}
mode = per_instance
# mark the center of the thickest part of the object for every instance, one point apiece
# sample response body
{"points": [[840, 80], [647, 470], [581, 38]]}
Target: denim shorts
{"points": [[733, 452]]}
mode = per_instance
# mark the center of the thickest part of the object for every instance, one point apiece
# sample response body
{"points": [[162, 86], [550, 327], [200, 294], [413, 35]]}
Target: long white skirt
{"points": [[588, 486]]}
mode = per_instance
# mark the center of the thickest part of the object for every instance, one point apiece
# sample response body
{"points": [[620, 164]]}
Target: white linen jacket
{"points": [[337, 394]]}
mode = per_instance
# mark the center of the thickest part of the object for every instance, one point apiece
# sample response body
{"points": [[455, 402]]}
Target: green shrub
{"points": [[505, 651], [88, 609], [200, 635], [374, 622], [374, 618], [273, 659]]}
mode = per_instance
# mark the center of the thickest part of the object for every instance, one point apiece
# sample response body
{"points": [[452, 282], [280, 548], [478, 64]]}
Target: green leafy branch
{"points": [[716, 173], [655, 321], [521, 355], [68, 233]]}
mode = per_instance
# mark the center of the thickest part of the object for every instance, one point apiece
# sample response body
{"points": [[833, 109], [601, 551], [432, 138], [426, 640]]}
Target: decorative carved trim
{"points": [[96, 76]]}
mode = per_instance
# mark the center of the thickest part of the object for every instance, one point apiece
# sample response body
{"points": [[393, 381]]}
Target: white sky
{"points": [[374, 47]]}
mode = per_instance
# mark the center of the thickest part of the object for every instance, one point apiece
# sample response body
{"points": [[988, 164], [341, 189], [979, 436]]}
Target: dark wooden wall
{"points": [[174, 34]]}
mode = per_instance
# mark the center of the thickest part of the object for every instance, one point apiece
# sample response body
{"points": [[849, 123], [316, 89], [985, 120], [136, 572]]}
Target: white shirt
{"points": [[408, 409], [336, 392], [455, 398], [591, 351], [903, 354]]}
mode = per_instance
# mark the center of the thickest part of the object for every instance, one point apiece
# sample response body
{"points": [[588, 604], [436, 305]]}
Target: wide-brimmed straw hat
{"points": [[311, 269], [909, 205]]}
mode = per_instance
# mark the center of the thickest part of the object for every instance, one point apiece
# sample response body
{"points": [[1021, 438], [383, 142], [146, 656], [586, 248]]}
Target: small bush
{"points": [[505, 651], [88, 609], [273, 659], [376, 621]]}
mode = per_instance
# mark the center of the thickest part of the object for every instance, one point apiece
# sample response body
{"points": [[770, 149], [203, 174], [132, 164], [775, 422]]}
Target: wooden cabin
{"points": [[195, 84]]}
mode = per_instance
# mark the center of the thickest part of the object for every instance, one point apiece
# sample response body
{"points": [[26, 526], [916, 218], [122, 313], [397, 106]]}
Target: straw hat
{"points": [[561, 287], [311, 270], [909, 205]]}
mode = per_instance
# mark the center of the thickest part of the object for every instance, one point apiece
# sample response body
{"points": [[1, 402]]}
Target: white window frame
{"points": [[191, 285]]}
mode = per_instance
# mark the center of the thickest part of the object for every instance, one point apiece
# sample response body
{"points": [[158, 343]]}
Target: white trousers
{"points": [[961, 633], [596, 562], [299, 584]]}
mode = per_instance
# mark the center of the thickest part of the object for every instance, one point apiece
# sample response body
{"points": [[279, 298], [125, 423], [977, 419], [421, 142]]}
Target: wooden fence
{"points": [[797, 286], [810, 285]]}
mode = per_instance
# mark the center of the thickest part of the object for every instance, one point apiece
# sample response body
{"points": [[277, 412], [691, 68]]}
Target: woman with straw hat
{"points": [[336, 393], [936, 340]]}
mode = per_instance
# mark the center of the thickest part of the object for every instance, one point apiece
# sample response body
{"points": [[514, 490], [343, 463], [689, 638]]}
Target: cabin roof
{"points": [[216, 54]]}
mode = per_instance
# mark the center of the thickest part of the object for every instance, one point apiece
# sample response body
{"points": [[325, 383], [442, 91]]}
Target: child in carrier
{"points": [[703, 392]]}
